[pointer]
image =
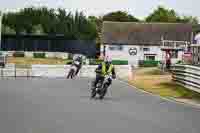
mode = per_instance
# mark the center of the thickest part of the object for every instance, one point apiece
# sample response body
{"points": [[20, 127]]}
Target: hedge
{"points": [[68, 62], [18, 54], [114, 62], [95, 61], [120, 62], [39, 55], [148, 63]]}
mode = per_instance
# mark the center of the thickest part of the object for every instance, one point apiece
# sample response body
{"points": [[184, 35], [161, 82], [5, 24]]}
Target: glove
{"points": [[114, 76], [98, 71]]}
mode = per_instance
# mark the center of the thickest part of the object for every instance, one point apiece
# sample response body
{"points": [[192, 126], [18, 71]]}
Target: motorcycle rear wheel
{"points": [[71, 74], [103, 93], [93, 93]]}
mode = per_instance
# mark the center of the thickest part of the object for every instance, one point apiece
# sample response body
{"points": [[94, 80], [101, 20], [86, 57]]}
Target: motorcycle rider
{"points": [[78, 66], [79, 59], [103, 69]]}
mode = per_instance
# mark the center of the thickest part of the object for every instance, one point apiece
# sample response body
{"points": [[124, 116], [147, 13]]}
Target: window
{"points": [[152, 58], [174, 54], [116, 48], [146, 49]]}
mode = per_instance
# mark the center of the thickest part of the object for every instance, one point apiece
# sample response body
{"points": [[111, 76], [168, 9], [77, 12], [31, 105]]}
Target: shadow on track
{"points": [[111, 99]]}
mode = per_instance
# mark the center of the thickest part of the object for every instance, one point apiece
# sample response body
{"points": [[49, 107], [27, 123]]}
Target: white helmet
{"points": [[108, 59]]}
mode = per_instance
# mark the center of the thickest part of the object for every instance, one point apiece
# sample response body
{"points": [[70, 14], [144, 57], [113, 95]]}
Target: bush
{"points": [[39, 55], [148, 63], [179, 62], [68, 62], [95, 61], [114, 62], [70, 56], [120, 62], [18, 54]]}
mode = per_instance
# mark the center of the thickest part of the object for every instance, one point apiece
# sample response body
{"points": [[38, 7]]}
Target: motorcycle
{"points": [[73, 70], [101, 87]]}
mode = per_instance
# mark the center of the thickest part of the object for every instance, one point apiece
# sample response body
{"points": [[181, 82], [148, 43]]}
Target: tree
{"points": [[37, 29], [189, 19], [49, 21], [7, 30], [98, 22], [62, 20], [120, 16], [162, 14]]}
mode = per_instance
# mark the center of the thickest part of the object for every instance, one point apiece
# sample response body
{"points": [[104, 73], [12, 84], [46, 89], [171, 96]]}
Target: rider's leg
{"points": [[94, 83], [101, 79], [109, 82], [77, 71], [72, 75], [68, 75]]}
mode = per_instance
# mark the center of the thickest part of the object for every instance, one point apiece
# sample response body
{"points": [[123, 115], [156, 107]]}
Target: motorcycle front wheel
{"points": [[103, 93], [71, 74], [93, 93]]}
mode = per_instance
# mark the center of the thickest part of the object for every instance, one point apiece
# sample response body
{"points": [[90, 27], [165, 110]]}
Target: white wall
{"points": [[122, 71], [153, 50], [133, 59], [124, 54], [61, 55]]}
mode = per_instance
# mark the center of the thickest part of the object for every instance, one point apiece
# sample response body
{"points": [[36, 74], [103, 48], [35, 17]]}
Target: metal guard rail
{"points": [[187, 76]]}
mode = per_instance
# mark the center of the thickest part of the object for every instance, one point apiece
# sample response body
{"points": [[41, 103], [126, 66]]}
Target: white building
{"points": [[143, 41], [197, 38]]}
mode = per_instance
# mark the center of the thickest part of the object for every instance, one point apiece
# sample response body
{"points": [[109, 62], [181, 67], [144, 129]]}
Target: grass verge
{"points": [[154, 81], [29, 61]]}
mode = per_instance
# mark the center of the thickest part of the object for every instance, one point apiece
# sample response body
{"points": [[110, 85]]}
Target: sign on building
{"points": [[133, 51]]}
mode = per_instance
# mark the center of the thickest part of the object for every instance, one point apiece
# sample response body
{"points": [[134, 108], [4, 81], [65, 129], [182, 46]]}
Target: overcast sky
{"points": [[139, 8]]}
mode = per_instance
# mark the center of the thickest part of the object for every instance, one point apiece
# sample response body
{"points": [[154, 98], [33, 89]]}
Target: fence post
{"points": [[80, 72], [27, 73], [15, 71], [2, 72]]}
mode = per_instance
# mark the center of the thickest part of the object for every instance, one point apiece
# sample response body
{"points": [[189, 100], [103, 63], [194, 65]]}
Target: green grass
{"points": [[154, 71], [154, 81], [25, 66], [29, 61], [181, 91]]}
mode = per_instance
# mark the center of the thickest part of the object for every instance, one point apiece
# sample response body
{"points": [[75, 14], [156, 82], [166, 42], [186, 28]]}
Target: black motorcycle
{"points": [[73, 70], [101, 87]]}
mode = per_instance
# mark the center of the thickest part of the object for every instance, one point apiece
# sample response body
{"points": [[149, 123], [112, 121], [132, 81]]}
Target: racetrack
{"points": [[64, 106]]}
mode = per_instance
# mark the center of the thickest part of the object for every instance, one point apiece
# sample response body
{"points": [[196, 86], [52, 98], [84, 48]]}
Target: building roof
{"points": [[132, 33]]}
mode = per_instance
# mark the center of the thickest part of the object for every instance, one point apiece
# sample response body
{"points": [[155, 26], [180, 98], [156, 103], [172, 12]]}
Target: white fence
{"points": [[61, 55], [123, 71], [188, 76]]}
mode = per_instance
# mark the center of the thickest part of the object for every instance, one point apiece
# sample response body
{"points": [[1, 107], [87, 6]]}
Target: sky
{"points": [[138, 8]]}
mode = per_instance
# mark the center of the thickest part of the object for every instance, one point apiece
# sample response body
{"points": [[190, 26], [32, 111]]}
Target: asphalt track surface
{"points": [[64, 106]]}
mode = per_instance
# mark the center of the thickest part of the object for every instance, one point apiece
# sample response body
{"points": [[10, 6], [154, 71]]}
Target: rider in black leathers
{"points": [[78, 66], [100, 75], [79, 59]]}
